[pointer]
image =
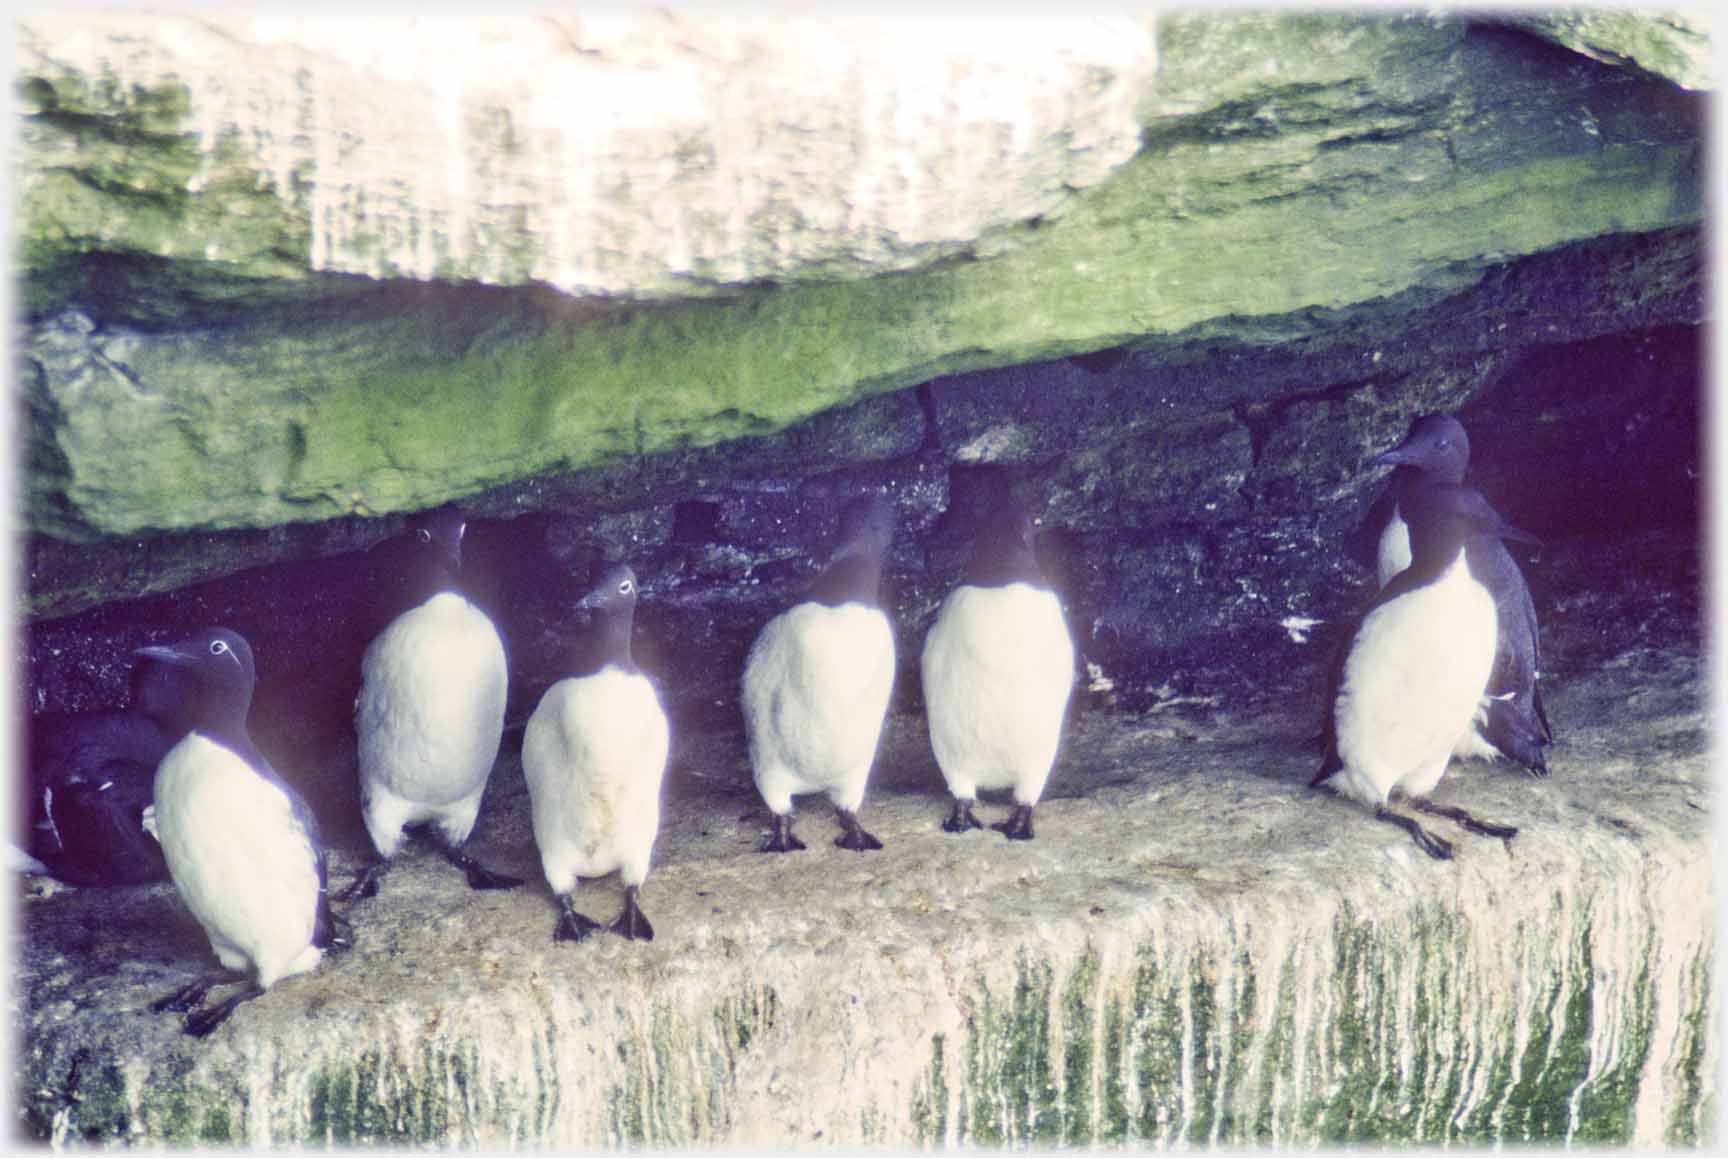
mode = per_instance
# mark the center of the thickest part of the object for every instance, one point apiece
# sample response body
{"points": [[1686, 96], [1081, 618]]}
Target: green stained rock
{"points": [[1197, 950], [1674, 43], [1243, 216]]}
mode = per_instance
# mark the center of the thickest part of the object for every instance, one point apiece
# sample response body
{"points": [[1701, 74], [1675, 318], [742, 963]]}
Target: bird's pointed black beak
{"points": [[1397, 456]]}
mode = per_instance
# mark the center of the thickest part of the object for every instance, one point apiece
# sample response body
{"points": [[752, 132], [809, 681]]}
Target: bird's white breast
{"points": [[816, 687], [431, 706], [1393, 554], [1415, 671], [998, 668], [240, 859], [594, 755]]}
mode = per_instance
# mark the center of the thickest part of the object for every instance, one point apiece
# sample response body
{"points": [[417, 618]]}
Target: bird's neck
{"points": [[850, 579], [998, 565], [1430, 560], [223, 718], [435, 578], [606, 644], [1407, 478]]}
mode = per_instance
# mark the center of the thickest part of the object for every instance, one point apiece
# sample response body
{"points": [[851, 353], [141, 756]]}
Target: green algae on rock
{"points": [[1222, 221]]}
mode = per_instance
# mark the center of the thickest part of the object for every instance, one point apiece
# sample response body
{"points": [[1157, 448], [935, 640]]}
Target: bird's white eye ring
{"points": [[425, 535], [218, 647], [625, 587]]}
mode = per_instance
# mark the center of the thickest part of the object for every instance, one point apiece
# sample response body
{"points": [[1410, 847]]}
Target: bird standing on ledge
{"points": [[817, 679]]}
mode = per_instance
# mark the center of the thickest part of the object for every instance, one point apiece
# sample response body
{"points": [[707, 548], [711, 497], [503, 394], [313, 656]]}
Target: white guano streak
{"points": [[644, 150]]}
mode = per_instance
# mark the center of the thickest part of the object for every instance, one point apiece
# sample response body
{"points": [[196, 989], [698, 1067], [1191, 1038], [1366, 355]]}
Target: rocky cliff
{"points": [[671, 286]]}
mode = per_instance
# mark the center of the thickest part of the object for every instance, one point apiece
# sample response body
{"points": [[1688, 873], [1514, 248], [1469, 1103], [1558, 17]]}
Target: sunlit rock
{"points": [[636, 153]]}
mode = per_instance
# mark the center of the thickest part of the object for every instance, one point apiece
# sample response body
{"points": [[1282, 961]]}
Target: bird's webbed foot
{"points": [[632, 924], [781, 838], [1435, 846], [365, 883], [1018, 826], [479, 876], [191, 994], [200, 1022], [1504, 832], [960, 819], [854, 837], [572, 926]]}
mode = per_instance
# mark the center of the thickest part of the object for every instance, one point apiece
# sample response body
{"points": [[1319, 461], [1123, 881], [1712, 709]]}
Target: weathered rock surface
{"points": [[1179, 326], [1182, 547], [1672, 43], [1248, 428], [1272, 149], [1196, 949], [650, 154]]}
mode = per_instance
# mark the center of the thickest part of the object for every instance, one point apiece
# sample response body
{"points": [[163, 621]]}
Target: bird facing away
{"points": [[241, 845], [1416, 666], [594, 755], [817, 680], [1511, 719], [998, 669], [430, 713]]}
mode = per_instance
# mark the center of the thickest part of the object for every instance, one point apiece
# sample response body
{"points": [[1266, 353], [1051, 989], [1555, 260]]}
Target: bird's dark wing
{"points": [[1516, 723], [100, 827], [92, 774]]}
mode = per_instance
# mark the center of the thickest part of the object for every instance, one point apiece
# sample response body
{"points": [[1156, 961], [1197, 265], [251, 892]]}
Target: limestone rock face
{"points": [[634, 153], [203, 355], [1675, 43], [673, 287]]}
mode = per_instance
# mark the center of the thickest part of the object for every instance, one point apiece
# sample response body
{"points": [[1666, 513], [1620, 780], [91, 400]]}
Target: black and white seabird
{"points": [[1511, 719], [93, 775], [817, 680], [1416, 667], [430, 713], [241, 845], [594, 755], [998, 668]]}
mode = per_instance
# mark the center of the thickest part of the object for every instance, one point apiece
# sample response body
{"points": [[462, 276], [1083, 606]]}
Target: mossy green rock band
{"points": [[1416, 158]]}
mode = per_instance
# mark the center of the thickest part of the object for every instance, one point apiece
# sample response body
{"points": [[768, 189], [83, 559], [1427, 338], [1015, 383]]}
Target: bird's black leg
{"points": [[1437, 847], [201, 1021], [1465, 820], [781, 839], [192, 994], [631, 923], [366, 883], [961, 818], [572, 926], [854, 838], [479, 876], [341, 937], [1018, 826]]}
